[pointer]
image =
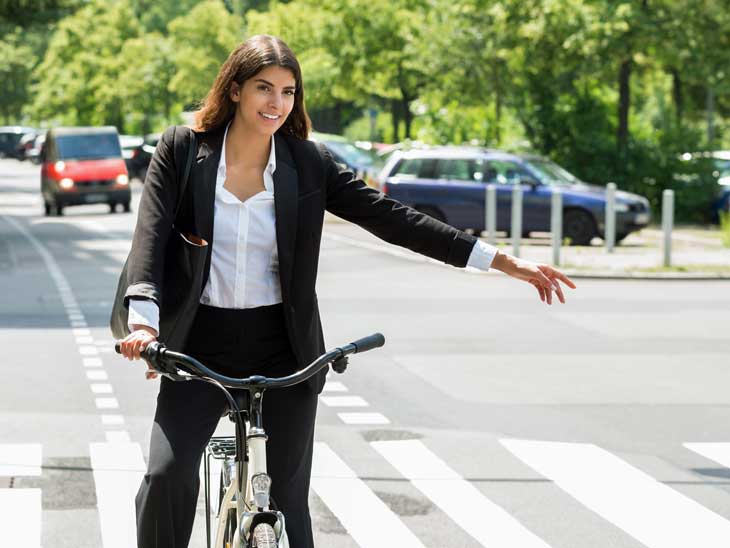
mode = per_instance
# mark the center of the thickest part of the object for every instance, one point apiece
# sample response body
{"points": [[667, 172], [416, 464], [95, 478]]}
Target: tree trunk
{"points": [[677, 97], [710, 108], [624, 103], [407, 114], [395, 115]]}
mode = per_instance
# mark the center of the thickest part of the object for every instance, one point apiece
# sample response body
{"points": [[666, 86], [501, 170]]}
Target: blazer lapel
{"points": [[286, 191], [209, 154]]}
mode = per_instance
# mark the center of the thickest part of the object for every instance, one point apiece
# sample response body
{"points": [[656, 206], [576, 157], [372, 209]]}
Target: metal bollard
{"points": [[516, 219], [556, 223], [610, 225], [490, 213], [667, 223]]}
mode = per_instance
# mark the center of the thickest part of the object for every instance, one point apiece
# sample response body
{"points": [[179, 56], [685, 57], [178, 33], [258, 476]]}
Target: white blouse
{"points": [[244, 267]]}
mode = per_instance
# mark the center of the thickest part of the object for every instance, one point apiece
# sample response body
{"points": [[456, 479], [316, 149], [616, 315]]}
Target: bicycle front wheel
{"points": [[264, 536]]}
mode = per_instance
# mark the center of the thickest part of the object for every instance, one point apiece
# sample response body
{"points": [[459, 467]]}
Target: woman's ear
{"points": [[235, 92]]}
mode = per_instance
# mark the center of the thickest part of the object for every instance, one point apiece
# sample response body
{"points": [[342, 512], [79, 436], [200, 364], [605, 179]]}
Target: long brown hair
{"points": [[244, 62]]}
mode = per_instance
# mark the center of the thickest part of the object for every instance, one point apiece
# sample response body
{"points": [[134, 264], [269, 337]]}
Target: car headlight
{"points": [[122, 179], [261, 485], [66, 183]]}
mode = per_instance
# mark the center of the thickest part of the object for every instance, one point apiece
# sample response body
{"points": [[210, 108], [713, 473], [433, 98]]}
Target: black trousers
{"points": [[236, 343]]}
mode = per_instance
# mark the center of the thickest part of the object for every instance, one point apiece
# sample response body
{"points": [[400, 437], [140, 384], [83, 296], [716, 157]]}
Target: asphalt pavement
{"points": [[488, 419]]}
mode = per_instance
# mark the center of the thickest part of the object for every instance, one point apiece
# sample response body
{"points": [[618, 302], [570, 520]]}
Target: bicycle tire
{"points": [[264, 536]]}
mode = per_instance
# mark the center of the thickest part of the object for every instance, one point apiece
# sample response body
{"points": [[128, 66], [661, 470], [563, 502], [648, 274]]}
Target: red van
{"points": [[83, 165]]}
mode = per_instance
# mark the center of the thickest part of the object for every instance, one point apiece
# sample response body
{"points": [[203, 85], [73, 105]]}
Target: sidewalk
{"points": [[697, 253]]}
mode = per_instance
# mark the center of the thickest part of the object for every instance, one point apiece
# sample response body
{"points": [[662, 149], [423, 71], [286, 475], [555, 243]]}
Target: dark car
{"points": [[363, 163], [83, 165], [449, 183], [26, 144], [9, 138], [138, 153]]}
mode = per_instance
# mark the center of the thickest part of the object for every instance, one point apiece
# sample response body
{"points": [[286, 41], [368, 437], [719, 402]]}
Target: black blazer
{"points": [[307, 181]]}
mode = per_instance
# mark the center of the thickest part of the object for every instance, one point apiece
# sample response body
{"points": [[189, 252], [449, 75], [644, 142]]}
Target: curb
{"points": [[670, 276]]}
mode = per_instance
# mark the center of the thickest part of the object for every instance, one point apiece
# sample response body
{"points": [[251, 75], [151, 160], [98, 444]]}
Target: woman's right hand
{"points": [[133, 344]]}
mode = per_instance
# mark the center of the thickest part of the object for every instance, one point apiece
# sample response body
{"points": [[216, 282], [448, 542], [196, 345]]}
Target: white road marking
{"points": [[20, 459], [92, 362], [107, 403], [334, 386], [355, 505], [78, 323], [344, 401], [363, 418], [117, 436], [489, 524], [118, 471], [84, 340], [717, 451], [112, 419], [88, 350], [97, 375], [651, 512], [81, 332], [101, 388], [20, 517]]}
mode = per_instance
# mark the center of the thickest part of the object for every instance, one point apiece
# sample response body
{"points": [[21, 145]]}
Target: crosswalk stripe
{"points": [[651, 512], [118, 471], [20, 517], [363, 418], [20, 459], [343, 401], [367, 518], [717, 451], [488, 523]]}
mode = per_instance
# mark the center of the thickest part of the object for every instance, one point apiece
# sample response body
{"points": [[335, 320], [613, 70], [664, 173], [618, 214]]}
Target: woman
{"points": [[259, 192]]}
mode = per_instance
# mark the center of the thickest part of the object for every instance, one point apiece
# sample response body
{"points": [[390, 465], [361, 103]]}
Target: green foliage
{"points": [[725, 228], [202, 41], [612, 90]]}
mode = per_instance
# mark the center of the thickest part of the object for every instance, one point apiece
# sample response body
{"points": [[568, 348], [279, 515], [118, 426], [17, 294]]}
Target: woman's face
{"points": [[265, 100]]}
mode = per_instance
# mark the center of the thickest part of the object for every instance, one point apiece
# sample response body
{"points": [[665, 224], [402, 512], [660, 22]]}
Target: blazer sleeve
{"points": [[154, 223], [353, 200]]}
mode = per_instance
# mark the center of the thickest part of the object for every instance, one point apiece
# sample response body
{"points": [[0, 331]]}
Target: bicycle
{"points": [[247, 517]]}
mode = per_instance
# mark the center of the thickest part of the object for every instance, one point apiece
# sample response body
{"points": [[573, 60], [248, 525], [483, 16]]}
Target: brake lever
{"points": [[340, 364]]}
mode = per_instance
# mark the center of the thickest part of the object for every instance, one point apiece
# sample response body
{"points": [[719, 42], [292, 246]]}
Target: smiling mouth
{"points": [[270, 116]]}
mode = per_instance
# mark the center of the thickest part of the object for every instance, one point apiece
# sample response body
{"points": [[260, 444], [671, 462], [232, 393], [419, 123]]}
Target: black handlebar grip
{"points": [[118, 347], [376, 340]]}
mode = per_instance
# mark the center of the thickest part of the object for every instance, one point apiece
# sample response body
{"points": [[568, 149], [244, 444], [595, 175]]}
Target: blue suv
{"points": [[449, 183]]}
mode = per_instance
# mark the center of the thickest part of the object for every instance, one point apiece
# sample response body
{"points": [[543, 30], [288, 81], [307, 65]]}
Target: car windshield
{"points": [[90, 146], [550, 173], [351, 154]]}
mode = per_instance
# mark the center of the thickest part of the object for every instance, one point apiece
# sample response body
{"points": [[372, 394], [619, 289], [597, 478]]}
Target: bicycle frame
{"points": [[239, 494]]}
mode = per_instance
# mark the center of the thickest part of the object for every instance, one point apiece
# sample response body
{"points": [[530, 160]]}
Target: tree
{"points": [[78, 80], [202, 40]]}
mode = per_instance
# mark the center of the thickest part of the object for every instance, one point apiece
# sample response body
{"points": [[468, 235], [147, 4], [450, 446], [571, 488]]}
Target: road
{"points": [[488, 419]]}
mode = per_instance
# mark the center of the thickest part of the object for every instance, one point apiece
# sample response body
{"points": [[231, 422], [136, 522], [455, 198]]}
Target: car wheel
{"points": [[47, 208], [112, 207], [127, 207], [57, 210], [578, 226], [432, 212]]}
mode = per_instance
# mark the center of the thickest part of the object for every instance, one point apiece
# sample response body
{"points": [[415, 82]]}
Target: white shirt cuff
{"points": [[144, 312], [482, 255]]}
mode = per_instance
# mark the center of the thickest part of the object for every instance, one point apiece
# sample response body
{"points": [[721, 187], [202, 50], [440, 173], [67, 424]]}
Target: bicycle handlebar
{"points": [[166, 362]]}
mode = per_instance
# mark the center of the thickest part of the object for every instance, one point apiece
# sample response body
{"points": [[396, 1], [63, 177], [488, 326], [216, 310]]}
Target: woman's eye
{"points": [[290, 92]]}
